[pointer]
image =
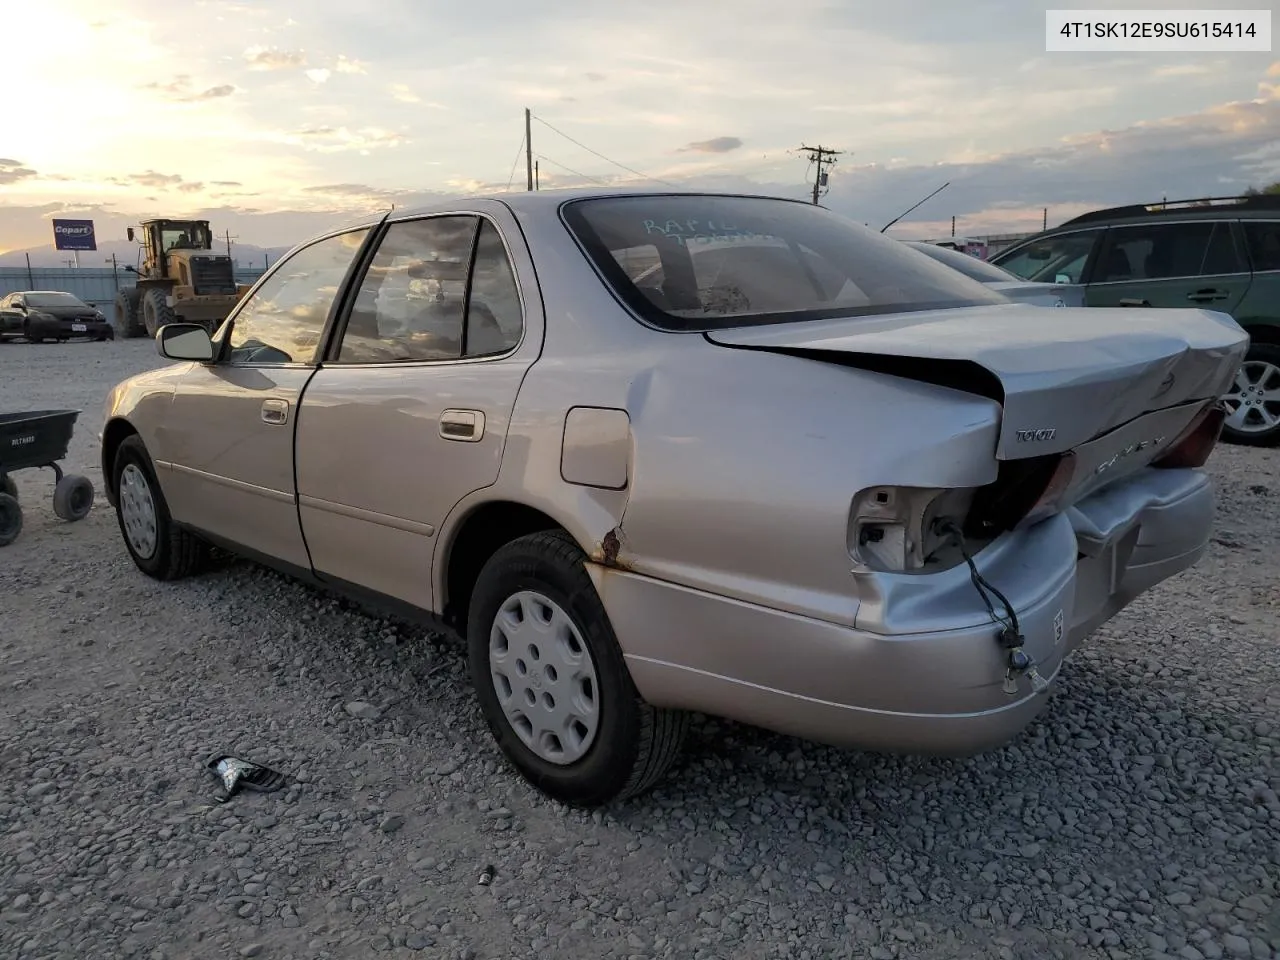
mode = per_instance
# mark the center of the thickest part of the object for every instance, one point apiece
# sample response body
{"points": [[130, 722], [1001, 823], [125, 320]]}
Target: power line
{"points": [[576, 173], [511, 179], [579, 143]]}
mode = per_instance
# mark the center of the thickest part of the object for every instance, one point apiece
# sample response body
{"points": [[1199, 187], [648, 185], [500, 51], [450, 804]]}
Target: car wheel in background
{"points": [[1253, 405], [159, 548], [551, 681]]}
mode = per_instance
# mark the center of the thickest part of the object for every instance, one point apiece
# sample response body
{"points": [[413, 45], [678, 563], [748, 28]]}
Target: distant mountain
{"points": [[245, 254]]}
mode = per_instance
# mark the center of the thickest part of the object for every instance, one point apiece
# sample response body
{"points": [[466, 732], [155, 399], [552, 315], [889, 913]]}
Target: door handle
{"points": [[1206, 296], [464, 425], [275, 412]]}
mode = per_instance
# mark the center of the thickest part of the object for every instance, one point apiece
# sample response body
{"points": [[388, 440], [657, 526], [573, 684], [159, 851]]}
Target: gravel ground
{"points": [[1139, 819]]}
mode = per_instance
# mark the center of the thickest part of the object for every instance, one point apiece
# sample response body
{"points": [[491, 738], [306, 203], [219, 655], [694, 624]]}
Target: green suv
{"points": [[1219, 253]]}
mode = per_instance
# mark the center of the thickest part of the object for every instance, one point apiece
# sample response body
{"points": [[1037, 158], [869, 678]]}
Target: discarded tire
{"points": [[73, 497]]}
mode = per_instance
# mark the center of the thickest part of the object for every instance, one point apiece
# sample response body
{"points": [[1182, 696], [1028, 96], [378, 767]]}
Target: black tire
{"points": [[128, 320], [177, 553], [8, 486], [1259, 354], [73, 497], [635, 743], [26, 333], [10, 519], [156, 311]]}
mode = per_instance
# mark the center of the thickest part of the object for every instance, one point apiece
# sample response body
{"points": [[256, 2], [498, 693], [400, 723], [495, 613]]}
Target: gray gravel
{"points": [[1139, 819]]}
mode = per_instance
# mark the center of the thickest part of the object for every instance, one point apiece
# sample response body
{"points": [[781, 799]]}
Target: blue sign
{"points": [[73, 235]]}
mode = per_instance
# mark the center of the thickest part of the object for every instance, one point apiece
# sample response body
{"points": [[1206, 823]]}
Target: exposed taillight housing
{"points": [[1025, 491], [1195, 444]]}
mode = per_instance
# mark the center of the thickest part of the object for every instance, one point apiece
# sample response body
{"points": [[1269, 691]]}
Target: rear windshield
{"points": [[52, 300], [695, 262], [971, 267]]}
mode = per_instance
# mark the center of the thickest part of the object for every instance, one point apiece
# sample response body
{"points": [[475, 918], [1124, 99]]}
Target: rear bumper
{"points": [[928, 678]]}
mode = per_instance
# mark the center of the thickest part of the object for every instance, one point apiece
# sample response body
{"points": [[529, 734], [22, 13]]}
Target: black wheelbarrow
{"points": [[39, 438]]}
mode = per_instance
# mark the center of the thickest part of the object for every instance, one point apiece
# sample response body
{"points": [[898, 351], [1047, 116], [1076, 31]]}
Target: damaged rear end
{"points": [[1105, 418]]}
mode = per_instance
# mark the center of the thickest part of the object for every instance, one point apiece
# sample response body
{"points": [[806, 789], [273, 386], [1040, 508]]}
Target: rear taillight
{"points": [[1196, 442], [1025, 491], [1058, 482]]}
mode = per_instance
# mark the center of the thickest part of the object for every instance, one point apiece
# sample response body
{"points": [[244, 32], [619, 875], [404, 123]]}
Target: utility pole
{"points": [[953, 226], [818, 155], [31, 280], [528, 146], [229, 239], [115, 276], [1044, 225], [537, 178]]}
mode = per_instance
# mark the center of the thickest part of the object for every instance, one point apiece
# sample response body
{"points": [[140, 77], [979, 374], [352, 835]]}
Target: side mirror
{"points": [[128, 232], [184, 341], [1062, 278]]}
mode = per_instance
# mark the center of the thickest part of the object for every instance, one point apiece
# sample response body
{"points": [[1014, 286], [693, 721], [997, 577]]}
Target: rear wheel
{"points": [[128, 321], [551, 681], [156, 311], [159, 547], [10, 519], [1253, 405]]}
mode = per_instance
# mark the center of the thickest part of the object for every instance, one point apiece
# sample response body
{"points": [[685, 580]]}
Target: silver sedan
{"points": [[651, 453], [1002, 281]]}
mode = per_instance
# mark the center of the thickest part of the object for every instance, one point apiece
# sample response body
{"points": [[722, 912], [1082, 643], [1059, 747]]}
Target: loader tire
{"points": [[156, 311], [128, 322]]}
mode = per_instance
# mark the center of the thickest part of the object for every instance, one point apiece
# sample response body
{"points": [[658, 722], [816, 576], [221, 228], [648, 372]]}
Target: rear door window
{"points": [[1263, 238], [1056, 259], [1167, 251]]}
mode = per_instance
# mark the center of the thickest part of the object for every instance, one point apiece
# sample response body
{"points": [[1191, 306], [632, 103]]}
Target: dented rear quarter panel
{"points": [[742, 465]]}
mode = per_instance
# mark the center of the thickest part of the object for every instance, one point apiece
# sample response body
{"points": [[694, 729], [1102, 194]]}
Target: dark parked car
{"points": [[1220, 253], [40, 315]]}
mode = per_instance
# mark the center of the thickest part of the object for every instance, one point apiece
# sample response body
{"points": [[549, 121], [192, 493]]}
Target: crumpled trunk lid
{"points": [[1063, 377]]}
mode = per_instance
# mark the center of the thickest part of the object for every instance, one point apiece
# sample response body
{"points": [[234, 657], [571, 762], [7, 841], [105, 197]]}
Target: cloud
{"points": [[401, 92], [349, 66], [11, 171], [151, 179], [594, 77], [318, 74], [179, 90], [714, 145], [227, 183], [269, 58], [330, 139]]}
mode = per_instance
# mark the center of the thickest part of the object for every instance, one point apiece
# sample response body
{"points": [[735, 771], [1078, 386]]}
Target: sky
{"points": [[277, 118]]}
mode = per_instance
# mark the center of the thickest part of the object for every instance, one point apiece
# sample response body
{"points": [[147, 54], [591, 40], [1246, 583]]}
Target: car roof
{"points": [[24, 293], [549, 201], [1255, 205]]}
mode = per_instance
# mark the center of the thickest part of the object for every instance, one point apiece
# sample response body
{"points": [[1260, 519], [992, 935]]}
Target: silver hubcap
{"points": [[544, 678], [138, 511], [1253, 405]]}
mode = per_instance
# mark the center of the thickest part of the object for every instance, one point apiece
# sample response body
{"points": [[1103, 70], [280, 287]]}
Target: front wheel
{"points": [[1253, 405], [159, 547], [552, 683]]}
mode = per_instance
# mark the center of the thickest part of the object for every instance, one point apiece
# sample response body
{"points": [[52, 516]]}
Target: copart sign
{"points": [[74, 235]]}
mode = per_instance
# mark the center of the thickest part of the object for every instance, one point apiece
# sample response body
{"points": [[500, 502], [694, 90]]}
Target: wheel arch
{"points": [[1262, 332], [116, 431], [469, 543]]}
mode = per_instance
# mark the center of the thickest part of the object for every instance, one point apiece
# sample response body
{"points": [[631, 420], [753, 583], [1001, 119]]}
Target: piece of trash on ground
{"points": [[236, 775]]}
